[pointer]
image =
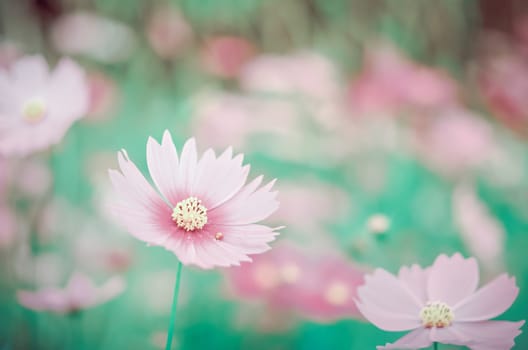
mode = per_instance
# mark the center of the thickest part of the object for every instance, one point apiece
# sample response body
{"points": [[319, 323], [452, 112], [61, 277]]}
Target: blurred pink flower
{"points": [[390, 82], [317, 286], [328, 291], [168, 32], [225, 118], [37, 106], [304, 74], [205, 215], [271, 276], [103, 39], [482, 233], [104, 96], [455, 141], [9, 53], [503, 82], [79, 294], [440, 304], [225, 56]]}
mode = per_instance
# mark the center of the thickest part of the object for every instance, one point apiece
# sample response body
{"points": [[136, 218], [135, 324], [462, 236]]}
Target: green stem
{"points": [[173, 308], [435, 346]]}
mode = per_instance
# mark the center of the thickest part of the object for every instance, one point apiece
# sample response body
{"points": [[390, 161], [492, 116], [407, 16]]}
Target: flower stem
{"points": [[172, 321], [435, 346]]}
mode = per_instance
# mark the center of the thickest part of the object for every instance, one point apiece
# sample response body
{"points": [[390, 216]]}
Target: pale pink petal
{"points": [[253, 238], [81, 291], [187, 166], [489, 301], [448, 335], [49, 299], [67, 92], [163, 167], [218, 180], [417, 339], [489, 335], [386, 320], [29, 75], [247, 206], [137, 205], [399, 302], [415, 278], [452, 279]]}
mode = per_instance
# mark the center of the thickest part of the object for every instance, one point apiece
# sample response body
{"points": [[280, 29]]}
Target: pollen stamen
{"points": [[189, 214], [436, 314]]}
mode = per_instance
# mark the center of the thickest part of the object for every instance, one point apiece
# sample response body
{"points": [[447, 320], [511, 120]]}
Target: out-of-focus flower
{"points": [[37, 107], [390, 83], [9, 53], [304, 73], [320, 287], [225, 56], [503, 82], [270, 276], [104, 97], [483, 234], [455, 141], [440, 304], [79, 294], [328, 291], [87, 34], [205, 214], [168, 32], [223, 118]]}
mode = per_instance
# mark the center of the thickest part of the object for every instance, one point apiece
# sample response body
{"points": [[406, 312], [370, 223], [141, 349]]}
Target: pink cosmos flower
{"points": [[79, 294], [320, 287], [226, 55], [38, 106], [329, 293], [103, 39], [482, 233], [168, 32], [440, 304], [204, 213], [456, 141], [390, 82]]}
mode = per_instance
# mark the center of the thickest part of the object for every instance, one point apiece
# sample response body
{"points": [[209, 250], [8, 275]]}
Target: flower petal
{"points": [[417, 339], [137, 205], [248, 206], [218, 180], [415, 278], [489, 335], [452, 279], [162, 163], [188, 165], [29, 76], [385, 291], [489, 301], [49, 299], [386, 320], [67, 83]]}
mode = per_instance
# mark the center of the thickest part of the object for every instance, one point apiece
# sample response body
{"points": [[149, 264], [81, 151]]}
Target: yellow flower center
{"points": [[436, 314], [189, 214], [34, 110]]}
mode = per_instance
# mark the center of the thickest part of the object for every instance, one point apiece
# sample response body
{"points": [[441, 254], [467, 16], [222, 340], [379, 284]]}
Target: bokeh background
{"points": [[397, 131]]}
